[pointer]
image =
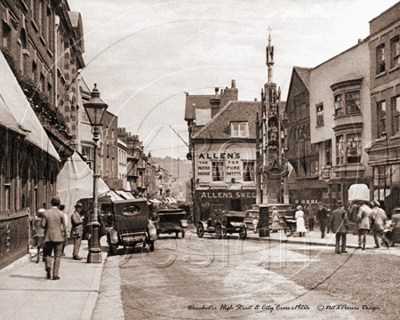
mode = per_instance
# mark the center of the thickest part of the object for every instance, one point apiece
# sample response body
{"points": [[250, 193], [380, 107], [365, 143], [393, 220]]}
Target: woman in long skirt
{"points": [[300, 226]]}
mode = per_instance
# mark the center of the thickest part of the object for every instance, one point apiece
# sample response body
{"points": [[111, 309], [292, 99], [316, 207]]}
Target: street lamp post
{"points": [[95, 109]]}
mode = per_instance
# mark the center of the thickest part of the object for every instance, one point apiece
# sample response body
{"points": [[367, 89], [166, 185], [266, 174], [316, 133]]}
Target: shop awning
{"points": [[17, 113]]}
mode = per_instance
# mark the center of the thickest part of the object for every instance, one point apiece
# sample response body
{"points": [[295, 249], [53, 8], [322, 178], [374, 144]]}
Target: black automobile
{"points": [[170, 221], [127, 223], [224, 223]]}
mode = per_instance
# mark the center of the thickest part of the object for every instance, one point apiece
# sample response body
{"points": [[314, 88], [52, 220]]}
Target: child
{"points": [[39, 236], [255, 224]]}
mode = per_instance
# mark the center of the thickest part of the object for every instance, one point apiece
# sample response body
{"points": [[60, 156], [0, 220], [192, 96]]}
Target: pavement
{"points": [[25, 293]]}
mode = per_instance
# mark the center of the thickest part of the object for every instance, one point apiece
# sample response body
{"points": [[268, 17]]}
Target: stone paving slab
{"points": [[25, 293]]}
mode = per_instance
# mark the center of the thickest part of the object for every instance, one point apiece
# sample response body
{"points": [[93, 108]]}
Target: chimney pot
{"points": [[359, 41], [255, 99], [233, 85], [216, 90]]}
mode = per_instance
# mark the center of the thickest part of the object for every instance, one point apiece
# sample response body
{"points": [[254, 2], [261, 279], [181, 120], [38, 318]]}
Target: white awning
{"points": [[16, 113]]}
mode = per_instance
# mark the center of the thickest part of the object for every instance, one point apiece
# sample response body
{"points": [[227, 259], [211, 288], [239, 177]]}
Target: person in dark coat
{"points": [[322, 217], [77, 230], [54, 224], [339, 225]]}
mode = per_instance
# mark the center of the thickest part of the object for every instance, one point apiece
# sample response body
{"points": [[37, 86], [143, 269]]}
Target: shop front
{"points": [[384, 158], [211, 201]]}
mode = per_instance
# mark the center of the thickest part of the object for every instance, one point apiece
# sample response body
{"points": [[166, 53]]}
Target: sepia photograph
{"points": [[200, 160]]}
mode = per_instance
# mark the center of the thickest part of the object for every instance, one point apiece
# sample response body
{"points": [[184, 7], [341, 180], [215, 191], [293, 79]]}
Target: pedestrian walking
{"points": [[339, 224], [322, 216], [61, 207], [378, 218], [54, 224], [39, 235], [77, 230], [300, 226], [275, 220], [363, 217]]}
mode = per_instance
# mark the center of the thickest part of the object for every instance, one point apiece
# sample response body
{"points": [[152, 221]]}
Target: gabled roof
{"points": [[219, 126], [201, 102], [304, 75]]}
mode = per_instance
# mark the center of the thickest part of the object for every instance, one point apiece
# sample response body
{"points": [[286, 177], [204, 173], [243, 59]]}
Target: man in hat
{"points": [[339, 225], [54, 224], [77, 230], [378, 216]]}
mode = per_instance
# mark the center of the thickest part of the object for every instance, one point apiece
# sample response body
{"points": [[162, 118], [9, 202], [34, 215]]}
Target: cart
{"points": [[289, 225]]}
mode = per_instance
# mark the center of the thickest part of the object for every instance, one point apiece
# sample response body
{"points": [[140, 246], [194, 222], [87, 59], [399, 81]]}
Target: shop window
{"points": [[396, 113], [217, 171], [354, 146], [380, 59], [248, 171], [353, 102], [339, 150], [320, 115], [338, 105], [381, 108], [395, 44], [239, 129]]}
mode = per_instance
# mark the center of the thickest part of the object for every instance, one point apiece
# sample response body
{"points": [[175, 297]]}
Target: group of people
{"points": [[51, 235], [366, 216]]}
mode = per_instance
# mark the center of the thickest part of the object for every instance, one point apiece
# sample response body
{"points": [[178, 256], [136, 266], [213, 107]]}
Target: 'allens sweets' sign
{"points": [[226, 194]]}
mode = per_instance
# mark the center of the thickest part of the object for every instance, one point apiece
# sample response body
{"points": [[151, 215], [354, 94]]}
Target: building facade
{"points": [[304, 184], [222, 151], [384, 150], [340, 118], [122, 164]]}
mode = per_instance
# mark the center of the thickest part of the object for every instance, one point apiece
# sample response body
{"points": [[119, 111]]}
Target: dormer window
{"points": [[239, 129]]}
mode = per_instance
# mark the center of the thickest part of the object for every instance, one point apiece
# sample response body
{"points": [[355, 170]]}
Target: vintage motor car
{"points": [[126, 223], [171, 220], [224, 223]]}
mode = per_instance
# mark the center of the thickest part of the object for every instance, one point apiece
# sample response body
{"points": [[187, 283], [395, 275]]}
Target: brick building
{"points": [[222, 144], [384, 151]]}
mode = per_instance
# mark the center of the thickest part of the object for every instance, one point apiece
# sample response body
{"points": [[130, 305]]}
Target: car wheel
{"points": [[243, 234], [151, 246], [218, 232], [200, 231], [177, 234], [112, 248]]}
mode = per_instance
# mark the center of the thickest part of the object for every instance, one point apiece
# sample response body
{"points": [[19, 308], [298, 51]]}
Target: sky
{"points": [[145, 54]]}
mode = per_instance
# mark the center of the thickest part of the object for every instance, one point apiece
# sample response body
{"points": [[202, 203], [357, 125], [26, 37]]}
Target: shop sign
{"points": [[219, 156], [233, 170], [227, 194], [204, 168]]}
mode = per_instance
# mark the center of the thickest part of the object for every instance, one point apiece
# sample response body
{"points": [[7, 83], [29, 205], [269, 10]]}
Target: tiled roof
{"points": [[219, 126], [201, 102]]}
